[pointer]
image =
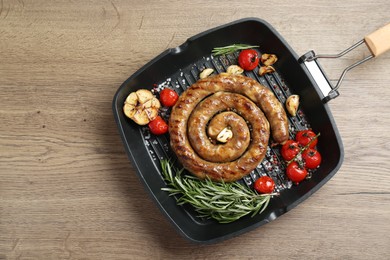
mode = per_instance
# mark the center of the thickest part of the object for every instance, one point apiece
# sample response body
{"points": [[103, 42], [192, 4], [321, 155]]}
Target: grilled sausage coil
{"points": [[227, 101]]}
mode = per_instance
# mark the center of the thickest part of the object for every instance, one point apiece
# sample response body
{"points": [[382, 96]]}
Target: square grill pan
{"points": [[178, 68]]}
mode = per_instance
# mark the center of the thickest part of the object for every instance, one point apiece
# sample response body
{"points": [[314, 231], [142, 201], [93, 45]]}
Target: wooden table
{"points": [[67, 188]]}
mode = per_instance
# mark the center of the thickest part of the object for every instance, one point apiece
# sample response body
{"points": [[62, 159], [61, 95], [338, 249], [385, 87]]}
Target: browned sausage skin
{"points": [[206, 117], [199, 105]]}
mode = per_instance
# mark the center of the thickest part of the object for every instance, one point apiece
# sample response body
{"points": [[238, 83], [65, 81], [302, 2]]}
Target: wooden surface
{"points": [[67, 189]]}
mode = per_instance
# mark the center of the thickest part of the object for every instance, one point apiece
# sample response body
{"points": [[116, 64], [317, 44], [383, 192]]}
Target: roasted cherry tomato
{"points": [[264, 184], [305, 136], [168, 97], [248, 59], [158, 126], [289, 150], [312, 158], [295, 172]]}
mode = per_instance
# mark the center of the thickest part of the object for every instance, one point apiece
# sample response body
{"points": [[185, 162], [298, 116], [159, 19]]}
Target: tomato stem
{"points": [[303, 149]]}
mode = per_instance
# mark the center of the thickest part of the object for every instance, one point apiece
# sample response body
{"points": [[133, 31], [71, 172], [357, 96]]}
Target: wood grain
{"points": [[67, 189]]}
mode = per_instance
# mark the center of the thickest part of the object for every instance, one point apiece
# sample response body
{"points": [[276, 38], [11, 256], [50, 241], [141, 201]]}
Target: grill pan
{"points": [[178, 68]]}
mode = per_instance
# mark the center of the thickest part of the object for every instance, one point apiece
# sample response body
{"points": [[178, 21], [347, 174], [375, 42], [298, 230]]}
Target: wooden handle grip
{"points": [[379, 41]]}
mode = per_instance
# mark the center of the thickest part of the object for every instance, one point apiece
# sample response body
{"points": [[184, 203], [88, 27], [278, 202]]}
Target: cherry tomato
{"points": [[312, 158], [295, 172], [248, 59], [289, 150], [305, 136], [168, 97], [158, 126], [264, 184]]}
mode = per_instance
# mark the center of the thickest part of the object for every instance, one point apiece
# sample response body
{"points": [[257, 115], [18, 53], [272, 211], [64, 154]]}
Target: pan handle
{"points": [[377, 42]]}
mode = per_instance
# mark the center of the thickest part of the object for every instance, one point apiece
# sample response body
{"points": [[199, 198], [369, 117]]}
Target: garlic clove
{"points": [[144, 95], [225, 135], [205, 73], [292, 104], [234, 70], [268, 59], [140, 117], [266, 69]]}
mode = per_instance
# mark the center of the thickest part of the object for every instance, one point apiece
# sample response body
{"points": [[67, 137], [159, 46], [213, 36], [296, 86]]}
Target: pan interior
{"points": [[180, 67]]}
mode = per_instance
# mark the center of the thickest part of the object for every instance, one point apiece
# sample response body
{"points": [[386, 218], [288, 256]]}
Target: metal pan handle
{"points": [[377, 42]]}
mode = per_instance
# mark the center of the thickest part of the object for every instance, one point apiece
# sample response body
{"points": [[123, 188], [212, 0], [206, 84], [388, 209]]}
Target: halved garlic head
{"points": [[141, 106]]}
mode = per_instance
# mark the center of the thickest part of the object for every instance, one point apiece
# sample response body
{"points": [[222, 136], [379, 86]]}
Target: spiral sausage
{"points": [[220, 101]]}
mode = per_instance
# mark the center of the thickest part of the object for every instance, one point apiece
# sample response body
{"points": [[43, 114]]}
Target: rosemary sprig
{"points": [[224, 202], [231, 48]]}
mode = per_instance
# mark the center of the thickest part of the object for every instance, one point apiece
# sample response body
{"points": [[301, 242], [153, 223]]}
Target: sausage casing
{"points": [[225, 94]]}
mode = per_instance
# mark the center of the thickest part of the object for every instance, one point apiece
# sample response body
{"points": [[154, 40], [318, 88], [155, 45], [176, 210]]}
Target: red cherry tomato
{"points": [[158, 126], [248, 59], [289, 150], [264, 184], [312, 158], [295, 172], [168, 97], [305, 136]]}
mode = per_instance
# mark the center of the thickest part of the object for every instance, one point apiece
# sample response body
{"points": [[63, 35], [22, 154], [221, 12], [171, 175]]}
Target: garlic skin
{"points": [[292, 104]]}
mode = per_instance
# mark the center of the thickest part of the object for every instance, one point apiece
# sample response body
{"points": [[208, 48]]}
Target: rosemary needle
{"points": [[224, 202]]}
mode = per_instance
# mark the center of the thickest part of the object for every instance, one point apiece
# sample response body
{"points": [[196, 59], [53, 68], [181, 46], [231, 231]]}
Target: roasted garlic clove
{"points": [[266, 69], [234, 70], [205, 73], [268, 59], [151, 108], [130, 103], [225, 135], [141, 106], [144, 95], [292, 104]]}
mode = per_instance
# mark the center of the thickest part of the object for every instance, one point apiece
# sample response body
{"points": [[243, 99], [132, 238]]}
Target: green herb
{"points": [[224, 202], [231, 48]]}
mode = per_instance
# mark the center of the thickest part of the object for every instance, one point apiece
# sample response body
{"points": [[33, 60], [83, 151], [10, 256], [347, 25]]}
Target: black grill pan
{"points": [[178, 68]]}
